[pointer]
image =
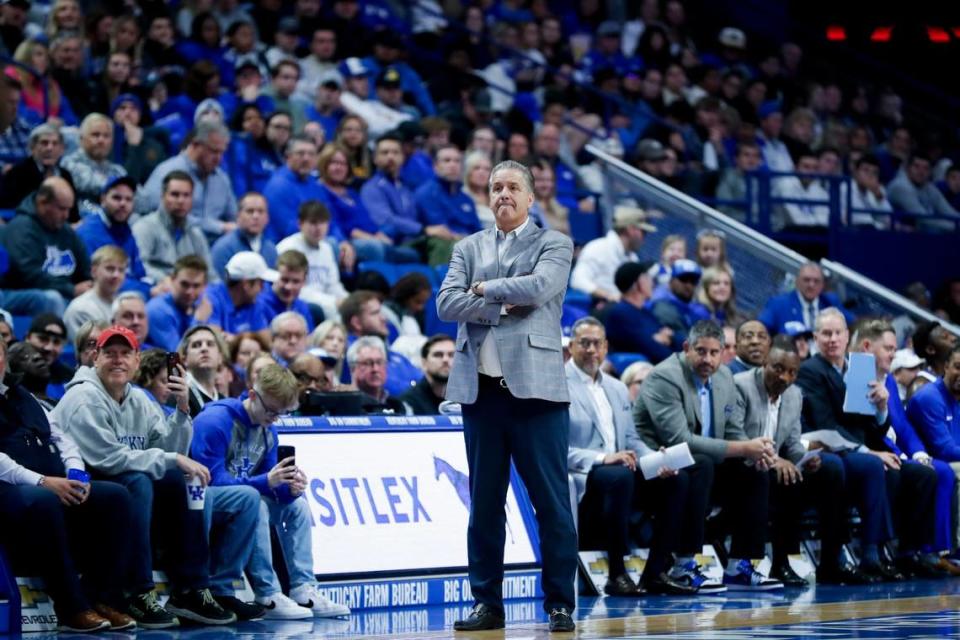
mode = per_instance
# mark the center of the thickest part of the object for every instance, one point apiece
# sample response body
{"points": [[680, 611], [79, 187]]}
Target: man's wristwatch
{"points": [[474, 286], [42, 481]]}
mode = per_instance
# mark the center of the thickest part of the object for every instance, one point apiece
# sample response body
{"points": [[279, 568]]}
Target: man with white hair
{"points": [[367, 358], [129, 310], [46, 153], [90, 165], [288, 336]]}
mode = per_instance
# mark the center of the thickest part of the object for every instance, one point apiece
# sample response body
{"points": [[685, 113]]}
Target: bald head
{"points": [[53, 201]]}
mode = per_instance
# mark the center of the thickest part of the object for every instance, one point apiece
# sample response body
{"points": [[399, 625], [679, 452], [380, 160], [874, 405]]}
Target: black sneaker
{"points": [[198, 605], [244, 610], [146, 610]]}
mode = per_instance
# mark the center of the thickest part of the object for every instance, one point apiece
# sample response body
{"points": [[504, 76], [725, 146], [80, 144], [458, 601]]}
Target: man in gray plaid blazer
{"points": [[505, 289]]}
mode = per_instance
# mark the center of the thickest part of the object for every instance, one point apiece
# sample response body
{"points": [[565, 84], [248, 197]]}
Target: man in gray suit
{"points": [[770, 405], [505, 289], [603, 460], [690, 398]]}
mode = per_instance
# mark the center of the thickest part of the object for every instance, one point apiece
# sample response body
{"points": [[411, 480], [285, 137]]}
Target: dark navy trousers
{"points": [[533, 433]]}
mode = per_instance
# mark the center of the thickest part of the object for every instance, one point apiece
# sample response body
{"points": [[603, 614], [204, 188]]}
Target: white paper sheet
{"points": [[676, 457]]}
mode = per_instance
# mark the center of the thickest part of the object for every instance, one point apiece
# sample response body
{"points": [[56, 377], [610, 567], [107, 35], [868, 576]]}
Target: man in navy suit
{"points": [[802, 304], [881, 484]]}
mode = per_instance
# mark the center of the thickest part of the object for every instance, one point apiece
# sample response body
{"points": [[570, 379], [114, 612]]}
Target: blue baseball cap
{"points": [[113, 182], [685, 268], [769, 108], [125, 97], [353, 68]]}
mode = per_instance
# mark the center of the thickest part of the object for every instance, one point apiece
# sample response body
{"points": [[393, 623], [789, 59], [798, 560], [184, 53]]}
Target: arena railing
{"points": [[762, 267]]}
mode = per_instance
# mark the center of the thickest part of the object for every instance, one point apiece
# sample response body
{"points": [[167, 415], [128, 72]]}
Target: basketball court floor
{"points": [[918, 610]]}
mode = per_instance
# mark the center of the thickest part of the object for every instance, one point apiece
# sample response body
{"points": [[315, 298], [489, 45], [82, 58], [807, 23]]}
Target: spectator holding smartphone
{"points": [[237, 441]]}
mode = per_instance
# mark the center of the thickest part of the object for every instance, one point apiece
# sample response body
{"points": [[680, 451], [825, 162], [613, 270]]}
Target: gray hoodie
{"points": [[133, 435]]}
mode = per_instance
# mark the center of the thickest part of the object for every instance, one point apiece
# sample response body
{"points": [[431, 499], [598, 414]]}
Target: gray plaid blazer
{"points": [[533, 276]]}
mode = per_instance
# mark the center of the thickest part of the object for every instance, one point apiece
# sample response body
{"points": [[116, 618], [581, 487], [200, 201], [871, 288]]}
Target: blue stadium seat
{"points": [[577, 299], [432, 323], [621, 361], [569, 315], [585, 227], [440, 272]]}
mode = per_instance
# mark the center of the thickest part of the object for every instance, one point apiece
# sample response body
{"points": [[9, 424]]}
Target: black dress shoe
{"points": [[884, 572], [561, 620], [919, 569], [622, 585], [785, 574], [482, 618], [844, 575], [664, 585]]}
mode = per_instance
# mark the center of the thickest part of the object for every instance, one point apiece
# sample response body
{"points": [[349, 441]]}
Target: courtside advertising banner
{"points": [[395, 502]]}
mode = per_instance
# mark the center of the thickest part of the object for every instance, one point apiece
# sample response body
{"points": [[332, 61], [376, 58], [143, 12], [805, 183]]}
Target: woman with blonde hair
{"points": [[36, 56], [476, 177], [718, 294], [65, 15], [331, 337]]}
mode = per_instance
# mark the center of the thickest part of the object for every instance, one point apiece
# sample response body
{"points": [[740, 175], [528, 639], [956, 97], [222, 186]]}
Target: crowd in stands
{"points": [[223, 183]]}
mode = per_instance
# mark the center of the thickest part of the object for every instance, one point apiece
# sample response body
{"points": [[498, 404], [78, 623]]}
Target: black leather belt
{"points": [[493, 380]]}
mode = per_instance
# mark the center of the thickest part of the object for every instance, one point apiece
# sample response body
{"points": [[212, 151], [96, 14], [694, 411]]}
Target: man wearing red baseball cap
{"points": [[124, 436]]}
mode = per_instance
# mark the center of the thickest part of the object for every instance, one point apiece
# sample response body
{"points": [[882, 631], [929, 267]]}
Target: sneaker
{"points": [[689, 574], [244, 610], [307, 595], [146, 610], [749, 579], [280, 607], [198, 605]]}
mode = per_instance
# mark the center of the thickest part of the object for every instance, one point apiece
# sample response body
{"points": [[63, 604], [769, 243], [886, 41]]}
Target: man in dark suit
{"points": [[603, 461], [437, 357], [505, 289], [752, 344], [802, 304], [881, 484], [46, 150], [771, 406], [690, 398]]}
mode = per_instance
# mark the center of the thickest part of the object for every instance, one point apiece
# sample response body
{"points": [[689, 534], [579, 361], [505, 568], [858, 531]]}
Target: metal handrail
{"points": [[781, 256], [770, 250]]}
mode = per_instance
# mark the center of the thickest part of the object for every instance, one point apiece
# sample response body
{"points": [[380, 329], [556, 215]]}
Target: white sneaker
{"points": [[280, 607], [307, 595]]}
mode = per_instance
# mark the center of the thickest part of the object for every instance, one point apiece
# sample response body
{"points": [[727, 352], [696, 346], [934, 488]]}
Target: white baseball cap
{"points": [[905, 359], [250, 265]]}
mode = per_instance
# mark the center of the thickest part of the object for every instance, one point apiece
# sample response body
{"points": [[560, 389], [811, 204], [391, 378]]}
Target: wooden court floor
{"points": [[917, 610]]}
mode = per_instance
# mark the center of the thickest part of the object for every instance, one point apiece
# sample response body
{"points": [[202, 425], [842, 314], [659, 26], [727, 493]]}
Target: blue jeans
{"points": [[160, 507], [231, 515], [292, 522], [32, 302], [369, 250]]}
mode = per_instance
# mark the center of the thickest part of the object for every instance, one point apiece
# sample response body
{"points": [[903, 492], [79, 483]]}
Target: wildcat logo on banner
{"points": [[395, 501]]}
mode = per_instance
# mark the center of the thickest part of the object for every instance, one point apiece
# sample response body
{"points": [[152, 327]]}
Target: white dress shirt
{"points": [[489, 358], [608, 432], [773, 416]]}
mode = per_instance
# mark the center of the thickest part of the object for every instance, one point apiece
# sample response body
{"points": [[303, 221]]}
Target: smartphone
{"points": [[285, 451], [173, 362]]}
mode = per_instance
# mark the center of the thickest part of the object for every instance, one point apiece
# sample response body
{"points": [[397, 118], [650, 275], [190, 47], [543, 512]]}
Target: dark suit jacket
{"points": [[421, 399], [22, 180], [823, 391], [786, 308]]}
